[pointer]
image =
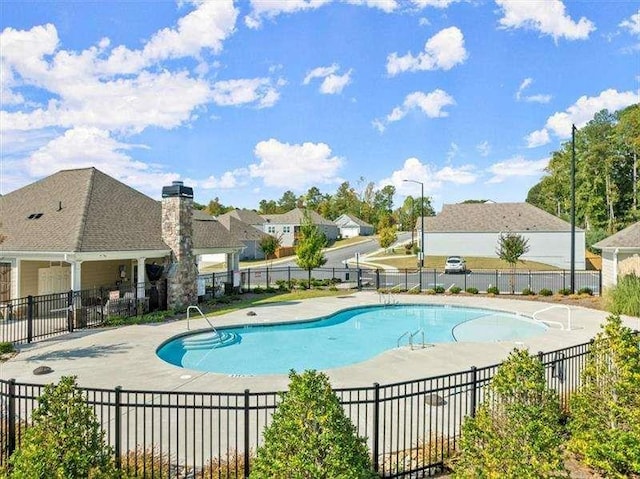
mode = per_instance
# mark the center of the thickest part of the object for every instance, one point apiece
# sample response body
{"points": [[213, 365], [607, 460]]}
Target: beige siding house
{"points": [[351, 226], [80, 229], [620, 254], [287, 225], [473, 229]]}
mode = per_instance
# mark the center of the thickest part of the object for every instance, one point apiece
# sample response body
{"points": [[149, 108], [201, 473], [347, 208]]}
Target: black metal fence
{"points": [[25, 320], [417, 280], [411, 427]]}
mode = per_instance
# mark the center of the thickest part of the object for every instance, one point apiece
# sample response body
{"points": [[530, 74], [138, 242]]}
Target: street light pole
{"points": [[573, 208], [421, 225]]}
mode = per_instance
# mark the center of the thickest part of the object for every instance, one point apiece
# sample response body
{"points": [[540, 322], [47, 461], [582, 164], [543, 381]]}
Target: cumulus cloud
{"points": [[434, 3], [443, 51], [269, 9], [332, 83], [433, 178], [538, 98], [581, 112], [431, 104], [632, 24], [259, 91], [548, 17], [228, 180], [484, 148], [516, 167], [295, 166]]}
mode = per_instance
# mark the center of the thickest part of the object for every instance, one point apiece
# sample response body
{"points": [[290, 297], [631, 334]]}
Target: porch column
{"points": [[615, 266], [15, 278], [142, 277], [233, 264], [76, 276]]}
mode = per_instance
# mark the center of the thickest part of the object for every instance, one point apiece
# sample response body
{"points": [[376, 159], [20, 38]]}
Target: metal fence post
{"points": [[248, 279], [474, 387], [375, 449], [70, 311], [29, 318], [406, 279], [564, 281], [118, 424], [289, 276], [267, 276], [599, 282], [435, 278], [11, 443], [496, 283], [246, 433], [377, 278]]}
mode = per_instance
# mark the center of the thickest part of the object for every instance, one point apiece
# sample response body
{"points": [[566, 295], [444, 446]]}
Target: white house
{"points": [[620, 254], [287, 225], [473, 229], [351, 226]]}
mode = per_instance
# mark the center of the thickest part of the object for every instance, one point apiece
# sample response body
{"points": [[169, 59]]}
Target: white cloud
{"points": [[443, 51], [295, 166], [453, 151], [581, 112], [269, 9], [548, 17], [484, 148], [431, 104], [434, 179], [228, 180], [632, 24], [539, 98], [332, 83], [434, 3], [260, 91], [516, 167], [538, 138]]}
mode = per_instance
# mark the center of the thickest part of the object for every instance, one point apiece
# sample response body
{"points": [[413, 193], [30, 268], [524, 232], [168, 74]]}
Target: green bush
{"points": [[517, 431], [545, 292], [585, 290], [472, 290], [258, 290], [527, 292], [6, 347], [310, 436], [564, 291], [65, 440], [624, 297], [283, 285], [430, 291], [493, 290], [605, 412], [439, 289], [269, 289], [455, 289]]}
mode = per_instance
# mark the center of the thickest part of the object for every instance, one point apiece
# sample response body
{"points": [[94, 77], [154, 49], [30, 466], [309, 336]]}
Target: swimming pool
{"points": [[349, 336]]}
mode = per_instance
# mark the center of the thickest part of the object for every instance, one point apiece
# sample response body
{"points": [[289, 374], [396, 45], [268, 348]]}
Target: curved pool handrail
{"points": [[201, 314], [533, 316]]}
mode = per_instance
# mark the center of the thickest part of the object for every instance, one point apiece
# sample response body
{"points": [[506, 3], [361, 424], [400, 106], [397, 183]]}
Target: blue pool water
{"points": [[346, 337]]}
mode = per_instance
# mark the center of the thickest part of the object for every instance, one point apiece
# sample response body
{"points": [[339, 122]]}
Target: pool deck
{"points": [[125, 356]]}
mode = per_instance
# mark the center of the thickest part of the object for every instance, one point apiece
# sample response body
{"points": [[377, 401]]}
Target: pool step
{"points": [[210, 340]]}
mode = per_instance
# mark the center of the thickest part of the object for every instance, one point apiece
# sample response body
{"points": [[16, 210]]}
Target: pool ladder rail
{"points": [[411, 336], [196, 308], [387, 299]]}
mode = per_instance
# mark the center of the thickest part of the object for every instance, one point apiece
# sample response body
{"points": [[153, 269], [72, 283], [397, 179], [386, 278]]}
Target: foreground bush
{"points": [[605, 412], [64, 441], [517, 430], [311, 437], [624, 297]]}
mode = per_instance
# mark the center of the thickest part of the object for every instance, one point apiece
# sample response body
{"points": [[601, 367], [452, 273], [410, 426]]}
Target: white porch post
{"points": [[142, 277], [15, 278], [76, 275], [615, 266]]}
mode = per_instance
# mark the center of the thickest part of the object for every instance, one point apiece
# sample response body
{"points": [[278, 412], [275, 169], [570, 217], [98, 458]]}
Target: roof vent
{"points": [[34, 216]]}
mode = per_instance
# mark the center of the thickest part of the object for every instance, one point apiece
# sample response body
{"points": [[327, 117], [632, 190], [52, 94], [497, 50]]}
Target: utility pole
{"points": [[573, 209]]}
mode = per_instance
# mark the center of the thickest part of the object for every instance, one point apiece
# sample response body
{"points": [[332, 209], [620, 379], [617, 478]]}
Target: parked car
{"points": [[455, 264]]}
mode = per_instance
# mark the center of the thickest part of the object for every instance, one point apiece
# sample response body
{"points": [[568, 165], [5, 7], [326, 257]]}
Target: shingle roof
{"points": [[249, 217], [354, 219], [295, 217], [493, 217], [626, 238], [85, 210], [241, 230]]}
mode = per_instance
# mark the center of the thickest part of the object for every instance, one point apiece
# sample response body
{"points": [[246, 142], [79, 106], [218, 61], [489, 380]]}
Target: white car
{"points": [[455, 264]]}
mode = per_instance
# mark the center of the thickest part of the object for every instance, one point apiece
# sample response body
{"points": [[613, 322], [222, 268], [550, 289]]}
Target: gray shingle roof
{"points": [[249, 217], [85, 210], [626, 238], [240, 230], [493, 217], [353, 218], [295, 216]]}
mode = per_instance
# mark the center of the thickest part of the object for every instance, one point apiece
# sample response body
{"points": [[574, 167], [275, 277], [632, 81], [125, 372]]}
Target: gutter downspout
{"points": [[615, 266]]}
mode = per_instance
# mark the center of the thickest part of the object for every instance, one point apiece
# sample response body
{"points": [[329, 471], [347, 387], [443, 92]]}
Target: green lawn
{"points": [[473, 263]]}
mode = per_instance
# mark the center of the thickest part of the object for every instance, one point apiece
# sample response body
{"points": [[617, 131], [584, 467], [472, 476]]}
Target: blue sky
{"points": [[244, 100]]}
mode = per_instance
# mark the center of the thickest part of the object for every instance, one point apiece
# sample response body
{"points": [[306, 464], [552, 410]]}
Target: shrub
{"points": [[455, 289], [517, 430], [282, 285], [605, 412], [6, 347], [310, 435], [430, 291], [229, 466], [585, 290], [624, 297], [414, 291], [258, 290], [527, 292], [333, 288], [65, 439], [545, 292], [439, 289], [493, 290], [472, 290], [564, 291], [146, 463], [269, 289]]}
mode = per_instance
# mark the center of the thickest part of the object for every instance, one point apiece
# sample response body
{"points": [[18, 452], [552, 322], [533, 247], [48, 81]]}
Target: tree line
{"points": [[606, 175]]}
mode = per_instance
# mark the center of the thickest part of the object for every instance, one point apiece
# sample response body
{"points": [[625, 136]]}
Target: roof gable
{"points": [[626, 238], [295, 217]]}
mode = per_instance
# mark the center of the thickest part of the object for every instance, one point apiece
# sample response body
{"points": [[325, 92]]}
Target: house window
{"points": [[286, 229], [271, 230]]}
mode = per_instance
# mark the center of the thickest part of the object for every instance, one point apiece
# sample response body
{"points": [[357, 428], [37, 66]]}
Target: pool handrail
{"points": [[201, 314], [533, 316], [412, 335], [400, 338]]}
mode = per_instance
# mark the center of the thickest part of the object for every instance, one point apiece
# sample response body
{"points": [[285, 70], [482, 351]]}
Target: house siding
{"points": [[628, 263], [608, 272], [552, 248], [29, 276]]}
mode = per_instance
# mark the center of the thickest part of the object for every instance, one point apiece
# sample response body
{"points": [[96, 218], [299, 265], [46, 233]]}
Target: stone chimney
{"points": [[177, 233]]}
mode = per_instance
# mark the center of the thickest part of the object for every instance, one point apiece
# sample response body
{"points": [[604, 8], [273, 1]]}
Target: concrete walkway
{"points": [[126, 356]]}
